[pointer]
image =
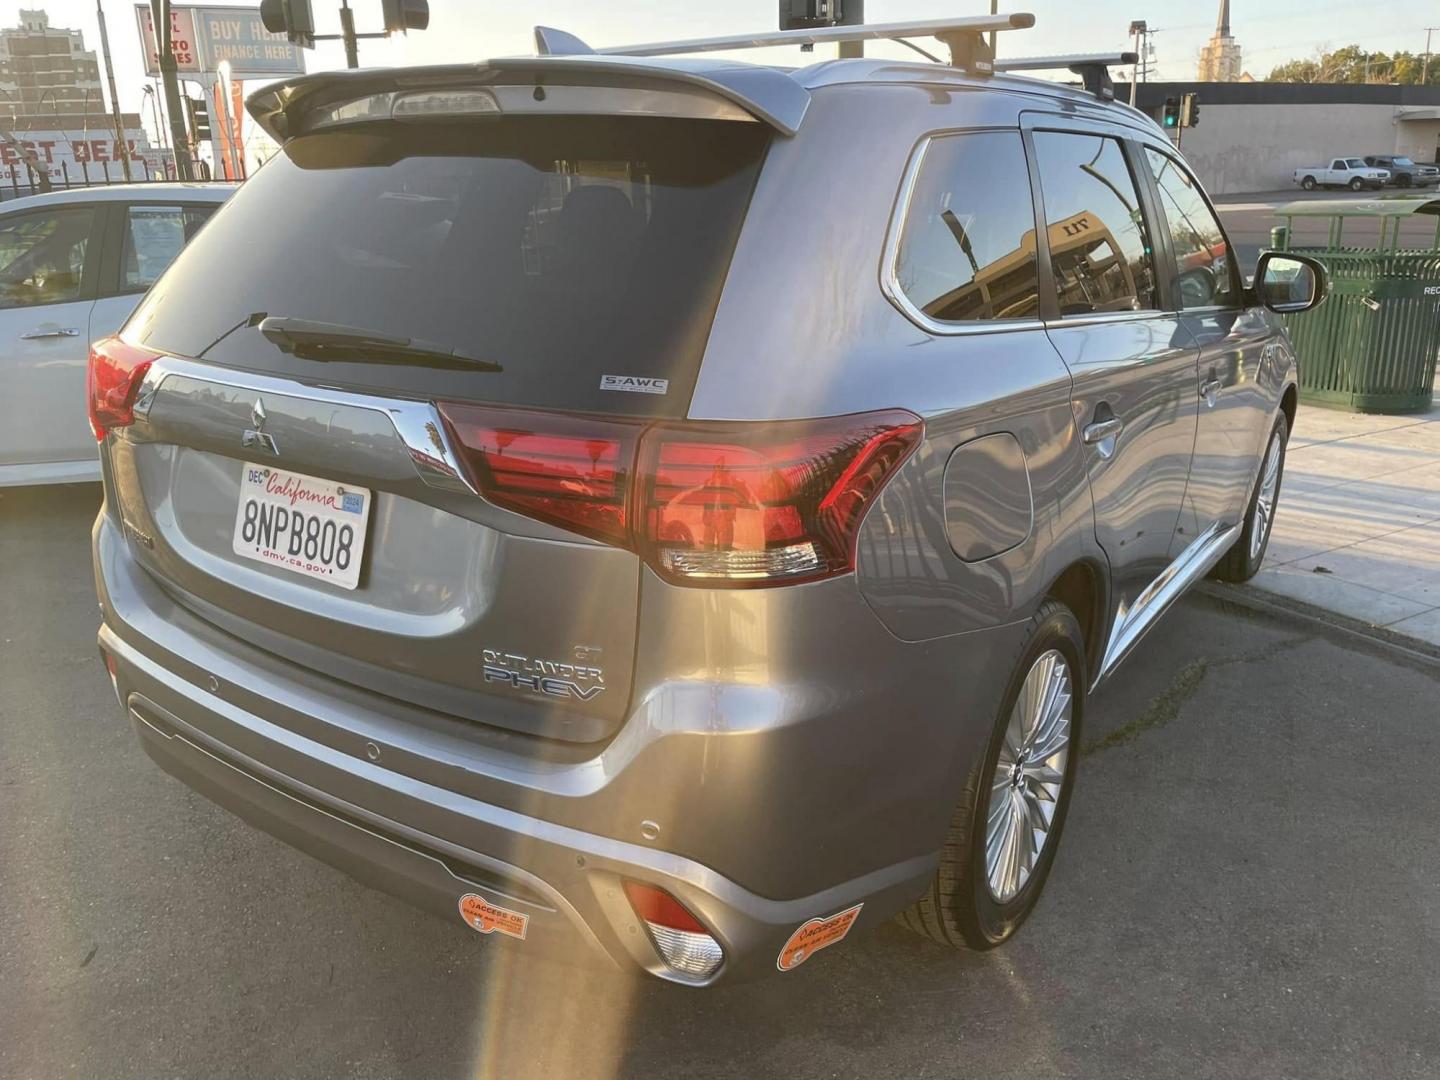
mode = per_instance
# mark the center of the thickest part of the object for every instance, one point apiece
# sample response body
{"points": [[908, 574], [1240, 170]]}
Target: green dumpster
{"points": [[1372, 346]]}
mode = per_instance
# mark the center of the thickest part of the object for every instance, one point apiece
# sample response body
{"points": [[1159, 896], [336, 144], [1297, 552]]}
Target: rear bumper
{"points": [[331, 787]]}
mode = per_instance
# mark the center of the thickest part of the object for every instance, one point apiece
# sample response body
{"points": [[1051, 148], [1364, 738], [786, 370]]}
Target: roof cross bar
{"points": [[963, 35], [1093, 68]]}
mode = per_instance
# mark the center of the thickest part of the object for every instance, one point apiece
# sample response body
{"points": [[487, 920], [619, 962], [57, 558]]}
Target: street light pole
{"points": [[1425, 67], [114, 95]]}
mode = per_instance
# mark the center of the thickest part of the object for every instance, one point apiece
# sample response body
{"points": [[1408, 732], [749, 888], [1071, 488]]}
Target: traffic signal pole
{"points": [[169, 74], [347, 31]]}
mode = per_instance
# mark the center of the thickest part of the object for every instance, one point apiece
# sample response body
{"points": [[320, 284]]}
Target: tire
{"points": [[1243, 560], [1404, 181], [1308, 183], [961, 906], [1357, 184]]}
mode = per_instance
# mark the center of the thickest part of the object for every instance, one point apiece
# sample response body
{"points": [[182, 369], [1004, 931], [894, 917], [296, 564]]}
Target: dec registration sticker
{"points": [[301, 523]]}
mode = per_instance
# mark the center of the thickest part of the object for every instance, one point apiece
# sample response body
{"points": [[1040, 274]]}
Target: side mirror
{"points": [[1287, 283]]}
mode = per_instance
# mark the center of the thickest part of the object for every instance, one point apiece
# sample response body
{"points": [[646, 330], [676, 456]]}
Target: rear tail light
{"points": [[682, 941], [569, 471], [765, 502], [732, 503], [112, 381]]}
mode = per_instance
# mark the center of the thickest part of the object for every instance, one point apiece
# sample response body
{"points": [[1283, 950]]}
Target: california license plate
{"points": [[303, 524]]}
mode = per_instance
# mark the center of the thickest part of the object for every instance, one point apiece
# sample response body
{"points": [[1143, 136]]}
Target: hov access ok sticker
{"points": [[488, 918], [814, 936]]}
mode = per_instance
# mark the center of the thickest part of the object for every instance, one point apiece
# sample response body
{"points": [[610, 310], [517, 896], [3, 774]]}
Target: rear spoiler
{"points": [[759, 93]]}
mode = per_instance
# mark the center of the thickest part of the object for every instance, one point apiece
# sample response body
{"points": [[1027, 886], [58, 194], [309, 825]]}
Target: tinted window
{"points": [[968, 247], [564, 249], [42, 256], [1202, 274], [154, 235], [1099, 248]]}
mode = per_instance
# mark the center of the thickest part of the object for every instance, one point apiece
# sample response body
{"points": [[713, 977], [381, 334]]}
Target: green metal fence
{"points": [[1372, 345]]}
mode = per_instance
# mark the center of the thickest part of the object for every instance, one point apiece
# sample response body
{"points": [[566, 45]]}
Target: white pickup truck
{"points": [[1342, 172]]}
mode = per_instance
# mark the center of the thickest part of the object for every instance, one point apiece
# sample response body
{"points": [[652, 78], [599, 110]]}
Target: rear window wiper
{"points": [[311, 340]]}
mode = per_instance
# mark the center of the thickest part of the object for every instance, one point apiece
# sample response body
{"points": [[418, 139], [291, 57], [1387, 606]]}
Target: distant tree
{"points": [[1353, 64]]}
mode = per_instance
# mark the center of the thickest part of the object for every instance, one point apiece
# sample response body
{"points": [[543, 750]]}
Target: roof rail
{"points": [[968, 48], [1093, 68]]}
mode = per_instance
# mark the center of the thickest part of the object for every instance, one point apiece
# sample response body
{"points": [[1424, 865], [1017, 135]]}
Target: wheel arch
{"points": [[1082, 588], [1289, 402]]}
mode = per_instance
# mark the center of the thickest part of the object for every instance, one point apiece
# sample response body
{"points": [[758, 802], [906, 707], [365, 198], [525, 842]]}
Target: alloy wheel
{"points": [[1025, 789], [1265, 497]]}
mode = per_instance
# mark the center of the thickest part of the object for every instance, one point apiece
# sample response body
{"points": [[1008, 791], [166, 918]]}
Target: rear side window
{"points": [[42, 256], [1099, 247], [1202, 270], [154, 235], [565, 250], [967, 249]]}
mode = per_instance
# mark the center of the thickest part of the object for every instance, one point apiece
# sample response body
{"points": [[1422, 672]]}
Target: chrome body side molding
{"points": [[1132, 621], [417, 423]]}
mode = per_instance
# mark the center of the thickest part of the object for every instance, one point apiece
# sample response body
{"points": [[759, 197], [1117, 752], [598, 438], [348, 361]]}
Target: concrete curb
{"points": [[1383, 640]]}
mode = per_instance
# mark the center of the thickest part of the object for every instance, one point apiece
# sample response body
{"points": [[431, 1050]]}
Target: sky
{"points": [[1269, 33]]}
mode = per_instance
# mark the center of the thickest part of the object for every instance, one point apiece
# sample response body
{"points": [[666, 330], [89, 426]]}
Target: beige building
{"points": [[1253, 135], [1220, 58], [48, 79]]}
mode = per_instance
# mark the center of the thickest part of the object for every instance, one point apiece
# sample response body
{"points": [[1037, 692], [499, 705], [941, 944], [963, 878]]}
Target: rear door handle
{"points": [[66, 331], [1210, 390], [1101, 430]]}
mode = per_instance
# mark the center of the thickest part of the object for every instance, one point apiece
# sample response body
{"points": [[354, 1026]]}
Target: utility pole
{"points": [[853, 14], [1425, 68], [169, 74], [1137, 31], [120, 144]]}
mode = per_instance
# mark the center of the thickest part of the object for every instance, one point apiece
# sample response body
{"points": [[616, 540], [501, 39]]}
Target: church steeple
{"points": [[1222, 25]]}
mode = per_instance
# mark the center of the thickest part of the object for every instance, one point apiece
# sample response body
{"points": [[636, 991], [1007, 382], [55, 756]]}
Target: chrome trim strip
{"points": [[889, 260], [1131, 623], [1096, 317], [417, 423]]}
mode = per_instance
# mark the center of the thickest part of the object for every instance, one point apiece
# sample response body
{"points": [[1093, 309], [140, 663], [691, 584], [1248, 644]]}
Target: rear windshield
{"points": [[571, 252]]}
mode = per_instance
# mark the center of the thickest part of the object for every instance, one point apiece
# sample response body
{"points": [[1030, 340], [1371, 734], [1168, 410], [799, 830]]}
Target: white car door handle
{"points": [[65, 331]]}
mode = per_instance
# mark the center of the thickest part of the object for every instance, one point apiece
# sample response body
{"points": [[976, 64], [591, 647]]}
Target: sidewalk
{"points": [[1358, 527]]}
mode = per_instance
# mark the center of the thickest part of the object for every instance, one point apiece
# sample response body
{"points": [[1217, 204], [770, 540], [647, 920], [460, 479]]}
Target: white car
{"points": [[1342, 172], [73, 265]]}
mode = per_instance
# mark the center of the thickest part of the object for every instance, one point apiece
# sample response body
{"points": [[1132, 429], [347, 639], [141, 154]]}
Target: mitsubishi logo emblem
{"points": [[255, 437]]}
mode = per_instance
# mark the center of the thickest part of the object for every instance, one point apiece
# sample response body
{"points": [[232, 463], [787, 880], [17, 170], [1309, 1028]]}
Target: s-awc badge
{"points": [[635, 384]]}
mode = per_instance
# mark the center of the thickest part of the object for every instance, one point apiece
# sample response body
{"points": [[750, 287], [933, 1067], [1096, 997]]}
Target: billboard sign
{"points": [[213, 34], [182, 40], [238, 35]]}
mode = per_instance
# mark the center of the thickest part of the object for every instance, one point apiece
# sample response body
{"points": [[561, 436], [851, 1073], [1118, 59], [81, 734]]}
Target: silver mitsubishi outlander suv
{"points": [[680, 508]]}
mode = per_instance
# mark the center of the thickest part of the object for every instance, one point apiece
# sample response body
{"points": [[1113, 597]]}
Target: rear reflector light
{"points": [[682, 941], [112, 381], [732, 503]]}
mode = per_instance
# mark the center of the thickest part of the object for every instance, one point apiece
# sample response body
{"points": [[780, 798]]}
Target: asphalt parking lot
{"points": [[1247, 888]]}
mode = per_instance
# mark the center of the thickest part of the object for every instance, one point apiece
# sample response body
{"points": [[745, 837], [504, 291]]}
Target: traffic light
{"points": [[810, 14], [402, 15], [293, 18], [199, 114], [1190, 110], [1171, 116]]}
